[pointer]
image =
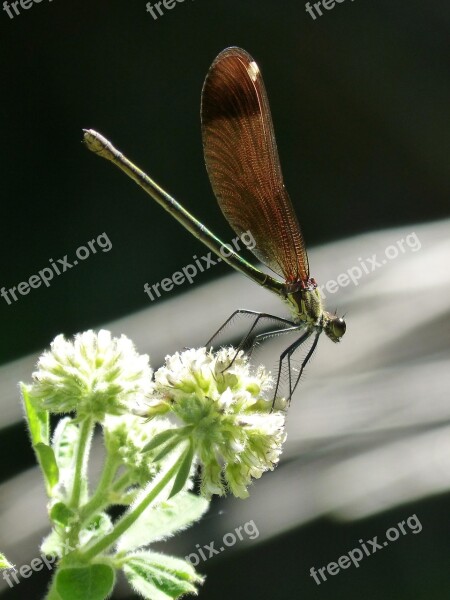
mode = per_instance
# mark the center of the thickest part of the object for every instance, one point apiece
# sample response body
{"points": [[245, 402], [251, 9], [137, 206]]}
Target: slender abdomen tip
{"points": [[97, 143]]}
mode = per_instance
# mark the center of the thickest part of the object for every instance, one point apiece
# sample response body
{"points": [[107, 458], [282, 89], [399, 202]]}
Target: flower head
{"points": [[94, 375], [222, 406]]}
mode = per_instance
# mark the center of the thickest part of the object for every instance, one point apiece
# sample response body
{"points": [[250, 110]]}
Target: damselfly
{"points": [[244, 169]]}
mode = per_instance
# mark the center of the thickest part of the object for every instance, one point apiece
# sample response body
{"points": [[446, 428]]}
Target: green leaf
{"points": [[65, 443], [160, 438], [184, 470], [164, 520], [38, 421], [47, 461], [39, 427], [99, 525], [4, 562], [60, 513], [159, 577], [173, 443], [95, 582]]}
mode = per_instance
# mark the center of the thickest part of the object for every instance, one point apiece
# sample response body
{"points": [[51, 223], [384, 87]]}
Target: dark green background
{"points": [[359, 100]]}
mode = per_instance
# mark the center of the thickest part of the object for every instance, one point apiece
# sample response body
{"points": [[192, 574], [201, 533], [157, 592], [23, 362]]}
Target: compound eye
{"points": [[339, 327]]}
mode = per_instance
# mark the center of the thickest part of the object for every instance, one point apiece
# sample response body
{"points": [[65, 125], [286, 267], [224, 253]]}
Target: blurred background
{"points": [[359, 99]]}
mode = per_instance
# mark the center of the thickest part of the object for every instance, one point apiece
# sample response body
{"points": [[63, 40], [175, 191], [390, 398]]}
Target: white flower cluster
{"points": [[94, 375], [223, 405]]}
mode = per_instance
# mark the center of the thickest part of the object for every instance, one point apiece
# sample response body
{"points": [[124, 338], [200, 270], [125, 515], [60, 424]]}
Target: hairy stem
{"points": [[101, 496], [84, 445], [130, 517]]}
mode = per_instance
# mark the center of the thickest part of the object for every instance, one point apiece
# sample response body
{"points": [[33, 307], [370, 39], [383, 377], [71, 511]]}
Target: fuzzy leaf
{"points": [[60, 513], [173, 443], [47, 461], [38, 421], [159, 577], [89, 583], [164, 520], [39, 427], [96, 528], [184, 470], [160, 438], [64, 444]]}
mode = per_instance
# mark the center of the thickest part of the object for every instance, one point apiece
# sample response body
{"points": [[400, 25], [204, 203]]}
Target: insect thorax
{"points": [[305, 303]]}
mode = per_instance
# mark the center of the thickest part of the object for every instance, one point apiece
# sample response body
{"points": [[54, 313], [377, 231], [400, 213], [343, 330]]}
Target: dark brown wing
{"points": [[243, 165]]}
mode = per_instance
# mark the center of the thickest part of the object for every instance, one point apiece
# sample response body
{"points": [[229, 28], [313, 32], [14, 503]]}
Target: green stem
{"points": [[129, 518], [83, 448], [101, 495], [121, 483]]}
